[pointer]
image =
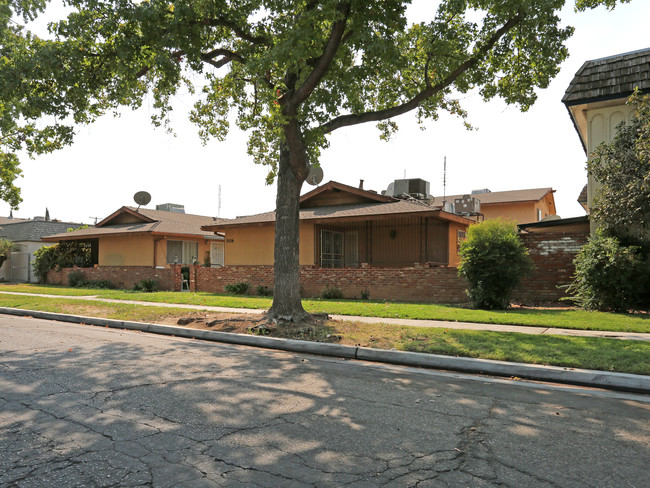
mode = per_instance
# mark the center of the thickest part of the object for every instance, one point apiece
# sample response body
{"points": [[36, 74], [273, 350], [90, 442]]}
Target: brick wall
{"points": [[121, 276], [417, 284], [553, 256]]}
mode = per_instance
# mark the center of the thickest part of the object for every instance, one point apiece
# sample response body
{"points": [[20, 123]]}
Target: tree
{"points": [[622, 167], [294, 71], [493, 261], [6, 246]]}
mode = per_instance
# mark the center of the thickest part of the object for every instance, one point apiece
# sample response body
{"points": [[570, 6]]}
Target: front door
{"points": [[217, 254]]}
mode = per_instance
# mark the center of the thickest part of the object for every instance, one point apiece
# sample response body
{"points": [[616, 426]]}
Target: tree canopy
{"points": [[289, 72]]}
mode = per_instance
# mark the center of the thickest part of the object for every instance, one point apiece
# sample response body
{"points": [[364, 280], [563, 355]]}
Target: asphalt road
{"points": [[87, 406]]}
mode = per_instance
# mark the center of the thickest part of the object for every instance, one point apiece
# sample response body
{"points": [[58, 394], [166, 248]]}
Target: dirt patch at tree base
{"points": [[316, 328]]}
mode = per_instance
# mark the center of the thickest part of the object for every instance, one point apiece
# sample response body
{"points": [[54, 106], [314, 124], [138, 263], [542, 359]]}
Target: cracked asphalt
{"points": [[87, 406]]}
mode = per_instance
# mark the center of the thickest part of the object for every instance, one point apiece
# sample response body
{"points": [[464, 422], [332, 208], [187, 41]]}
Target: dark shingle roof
{"points": [[610, 78], [34, 230]]}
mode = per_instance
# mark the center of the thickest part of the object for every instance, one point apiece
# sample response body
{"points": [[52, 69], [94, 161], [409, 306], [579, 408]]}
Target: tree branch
{"points": [[239, 32], [323, 63], [429, 91], [227, 57]]}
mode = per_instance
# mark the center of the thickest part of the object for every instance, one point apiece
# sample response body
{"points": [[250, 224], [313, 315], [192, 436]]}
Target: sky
{"points": [[116, 157]]}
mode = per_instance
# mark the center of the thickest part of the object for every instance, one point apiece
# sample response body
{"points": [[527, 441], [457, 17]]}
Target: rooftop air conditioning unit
{"points": [[467, 205], [414, 187], [171, 207]]}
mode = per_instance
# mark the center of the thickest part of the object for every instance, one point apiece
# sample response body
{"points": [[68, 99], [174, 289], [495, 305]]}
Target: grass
{"points": [[117, 311], [557, 318], [573, 352]]}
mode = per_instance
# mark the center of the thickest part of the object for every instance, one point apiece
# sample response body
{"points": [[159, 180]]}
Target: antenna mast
{"points": [[444, 183], [219, 206]]}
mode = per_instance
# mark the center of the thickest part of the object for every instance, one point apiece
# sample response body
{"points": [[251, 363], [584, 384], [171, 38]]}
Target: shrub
{"points": [[240, 288], [147, 285], [66, 254], [45, 260], [76, 279], [264, 291], [493, 261], [331, 292], [365, 294], [102, 284], [609, 276]]}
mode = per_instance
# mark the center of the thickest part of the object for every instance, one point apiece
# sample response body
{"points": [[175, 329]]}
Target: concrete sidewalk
{"points": [[522, 329]]}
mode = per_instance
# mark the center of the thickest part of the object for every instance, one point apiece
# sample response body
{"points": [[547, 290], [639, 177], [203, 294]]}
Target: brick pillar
{"points": [[177, 277], [193, 271]]}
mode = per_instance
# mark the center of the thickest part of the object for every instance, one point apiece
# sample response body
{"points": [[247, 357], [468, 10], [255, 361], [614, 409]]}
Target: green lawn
{"points": [[574, 352], [569, 319]]}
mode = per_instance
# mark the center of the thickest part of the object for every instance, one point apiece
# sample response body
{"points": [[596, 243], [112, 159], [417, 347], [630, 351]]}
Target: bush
{"points": [[102, 284], [264, 291], [365, 294], [147, 285], [66, 254], [240, 288], [45, 260], [493, 261], [331, 292], [76, 279], [609, 276]]}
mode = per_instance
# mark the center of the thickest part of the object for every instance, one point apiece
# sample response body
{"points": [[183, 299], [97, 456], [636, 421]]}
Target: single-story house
{"points": [[531, 205], [151, 238], [596, 100], [26, 235], [344, 226]]}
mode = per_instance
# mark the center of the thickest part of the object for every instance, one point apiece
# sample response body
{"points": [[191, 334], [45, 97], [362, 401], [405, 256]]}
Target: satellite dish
{"points": [[315, 175], [142, 198]]}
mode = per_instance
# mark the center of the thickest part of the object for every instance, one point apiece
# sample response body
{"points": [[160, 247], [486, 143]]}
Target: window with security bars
{"points": [[331, 249]]}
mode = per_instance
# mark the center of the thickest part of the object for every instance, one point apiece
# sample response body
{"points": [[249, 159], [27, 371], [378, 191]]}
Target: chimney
{"points": [[360, 184]]}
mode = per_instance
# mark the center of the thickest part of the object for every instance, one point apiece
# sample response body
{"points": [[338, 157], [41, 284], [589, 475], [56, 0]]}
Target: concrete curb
{"points": [[583, 377]]}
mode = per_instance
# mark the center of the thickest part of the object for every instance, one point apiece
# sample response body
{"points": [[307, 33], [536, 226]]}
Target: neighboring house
{"points": [[596, 100], [343, 226], [519, 206], [150, 238], [27, 235]]}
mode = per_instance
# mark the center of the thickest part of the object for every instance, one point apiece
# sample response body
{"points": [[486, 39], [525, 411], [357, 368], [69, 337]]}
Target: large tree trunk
{"points": [[287, 304]]}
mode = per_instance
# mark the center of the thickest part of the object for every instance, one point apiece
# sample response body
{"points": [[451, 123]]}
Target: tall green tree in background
{"points": [[291, 71]]}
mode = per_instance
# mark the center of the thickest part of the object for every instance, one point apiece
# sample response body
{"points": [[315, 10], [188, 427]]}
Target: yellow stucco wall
{"points": [[601, 125], [520, 212], [454, 227], [126, 251], [254, 245], [139, 250]]}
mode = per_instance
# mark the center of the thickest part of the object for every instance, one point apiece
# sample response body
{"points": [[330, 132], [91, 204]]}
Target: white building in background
{"points": [[27, 234], [596, 100]]}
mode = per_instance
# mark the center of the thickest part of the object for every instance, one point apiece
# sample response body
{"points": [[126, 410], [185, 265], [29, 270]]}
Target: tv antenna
{"points": [[141, 198]]}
